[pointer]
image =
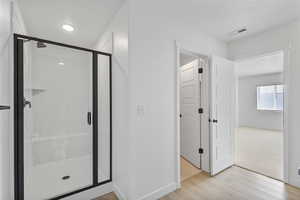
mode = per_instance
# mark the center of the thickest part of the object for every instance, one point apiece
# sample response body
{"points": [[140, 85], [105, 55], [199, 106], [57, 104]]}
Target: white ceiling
{"points": [[267, 64], [44, 18], [220, 18]]}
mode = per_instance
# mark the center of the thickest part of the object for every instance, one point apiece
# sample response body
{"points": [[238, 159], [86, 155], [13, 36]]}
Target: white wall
{"points": [[249, 116], [11, 21], [118, 45], [5, 24], [282, 38], [153, 28]]}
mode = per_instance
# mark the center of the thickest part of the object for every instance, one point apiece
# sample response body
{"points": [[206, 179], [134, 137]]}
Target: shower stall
{"points": [[62, 119]]}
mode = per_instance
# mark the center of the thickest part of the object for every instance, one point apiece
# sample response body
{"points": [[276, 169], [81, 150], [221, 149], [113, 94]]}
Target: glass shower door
{"points": [[58, 131]]}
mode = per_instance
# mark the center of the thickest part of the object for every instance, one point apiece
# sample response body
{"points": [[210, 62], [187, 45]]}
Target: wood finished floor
{"points": [[110, 196], [233, 184], [187, 169]]}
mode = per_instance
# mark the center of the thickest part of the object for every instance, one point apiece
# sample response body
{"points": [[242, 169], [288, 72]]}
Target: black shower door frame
{"points": [[19, 114]]}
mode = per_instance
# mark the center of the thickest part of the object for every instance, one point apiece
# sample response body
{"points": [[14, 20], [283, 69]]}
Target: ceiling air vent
{"points": [[242, 30], [238, 32]]}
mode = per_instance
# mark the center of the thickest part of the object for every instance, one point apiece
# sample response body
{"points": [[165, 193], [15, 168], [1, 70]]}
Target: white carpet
{"points": [[260, 150]]}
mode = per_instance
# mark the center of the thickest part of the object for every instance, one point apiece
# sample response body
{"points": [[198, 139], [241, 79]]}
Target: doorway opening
{"points": [[193, 111], [259, 137], [209, 115]]}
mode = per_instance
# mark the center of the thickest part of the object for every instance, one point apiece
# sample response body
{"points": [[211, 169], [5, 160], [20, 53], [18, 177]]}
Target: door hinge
{"points": [[200, 70], [213, 120], [201, 151], [200, 110]]}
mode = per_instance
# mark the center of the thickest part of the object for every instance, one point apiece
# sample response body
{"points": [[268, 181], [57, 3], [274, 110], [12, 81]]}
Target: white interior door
{"points": [[222, 114], [190, 118]]}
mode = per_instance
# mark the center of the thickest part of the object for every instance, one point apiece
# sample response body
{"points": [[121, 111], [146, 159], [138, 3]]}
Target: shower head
{"points": [[40, 44]]}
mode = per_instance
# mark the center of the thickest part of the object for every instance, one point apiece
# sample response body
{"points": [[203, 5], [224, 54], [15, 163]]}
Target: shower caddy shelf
{"points": [[58, 137]]}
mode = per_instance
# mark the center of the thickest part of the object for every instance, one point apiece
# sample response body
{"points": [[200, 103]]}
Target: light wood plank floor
{"points": [[110, 196], [187, 169], [233, 184]]}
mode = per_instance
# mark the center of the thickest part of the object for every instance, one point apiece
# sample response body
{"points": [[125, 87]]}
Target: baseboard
{"points": [[160, 192], [294, 182], [119, 193], [178, 185]]}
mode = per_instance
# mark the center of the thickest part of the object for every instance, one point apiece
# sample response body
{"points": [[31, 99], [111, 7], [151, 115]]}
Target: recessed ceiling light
{"points": [[61, 63], [68, 27]]}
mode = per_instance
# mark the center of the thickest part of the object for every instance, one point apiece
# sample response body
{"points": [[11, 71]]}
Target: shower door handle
{"points": [[4, 107], [89, 118], [27, 103]]}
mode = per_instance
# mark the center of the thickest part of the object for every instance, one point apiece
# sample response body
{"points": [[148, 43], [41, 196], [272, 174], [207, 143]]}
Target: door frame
{"points": [[286, 70], [179, 49], [19, 114]]}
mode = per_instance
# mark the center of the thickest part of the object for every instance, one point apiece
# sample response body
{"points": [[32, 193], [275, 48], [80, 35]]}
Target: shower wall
{"points": [[5, 23], [103, 118], [61, 91]]}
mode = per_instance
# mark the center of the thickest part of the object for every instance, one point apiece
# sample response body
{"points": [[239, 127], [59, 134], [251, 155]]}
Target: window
{"points": [[270, 97]]}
